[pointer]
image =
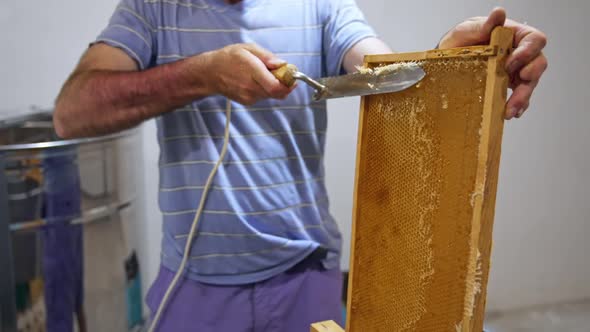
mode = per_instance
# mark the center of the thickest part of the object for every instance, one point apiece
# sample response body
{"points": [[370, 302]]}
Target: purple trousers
{"points": [[289, 302]]}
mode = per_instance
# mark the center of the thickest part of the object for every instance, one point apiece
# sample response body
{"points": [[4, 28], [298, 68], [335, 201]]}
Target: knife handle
{"points": [[286, 74]]}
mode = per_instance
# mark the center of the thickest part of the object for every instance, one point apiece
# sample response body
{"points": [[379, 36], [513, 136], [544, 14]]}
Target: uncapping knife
{"points": [[385, 79]]}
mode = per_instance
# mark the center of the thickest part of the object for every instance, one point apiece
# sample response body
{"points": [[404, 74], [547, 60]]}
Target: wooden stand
{"points": [[425, 192], [327, 326]]}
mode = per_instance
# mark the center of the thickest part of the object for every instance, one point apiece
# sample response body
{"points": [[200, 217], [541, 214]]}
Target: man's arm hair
{"points": [[106, 92]]}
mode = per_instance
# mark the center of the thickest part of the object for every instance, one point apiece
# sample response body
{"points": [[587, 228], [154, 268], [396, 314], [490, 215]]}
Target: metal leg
{"points": [[105, 183], [7, 287]]}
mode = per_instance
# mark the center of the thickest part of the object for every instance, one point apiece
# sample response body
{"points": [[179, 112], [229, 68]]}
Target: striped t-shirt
{"points": [[268, 207]]}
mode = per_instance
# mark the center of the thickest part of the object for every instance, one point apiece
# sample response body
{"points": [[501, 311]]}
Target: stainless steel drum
{"points": [[65, 207]]}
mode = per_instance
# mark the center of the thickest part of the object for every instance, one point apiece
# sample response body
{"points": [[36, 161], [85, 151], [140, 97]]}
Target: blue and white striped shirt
{"points": [[268, 208]]}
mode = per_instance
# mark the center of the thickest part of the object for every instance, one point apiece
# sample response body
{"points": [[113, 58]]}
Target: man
{"points": [[266, 254]]}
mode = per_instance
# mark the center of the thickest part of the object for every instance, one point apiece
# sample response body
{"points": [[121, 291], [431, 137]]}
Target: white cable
{"points": [[187, 247]]}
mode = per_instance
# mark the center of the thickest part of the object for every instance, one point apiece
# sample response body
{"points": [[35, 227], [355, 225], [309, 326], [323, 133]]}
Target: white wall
{"points": [[543, 213], [543, 207]]}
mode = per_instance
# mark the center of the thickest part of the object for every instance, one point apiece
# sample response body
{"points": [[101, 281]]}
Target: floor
{"points": [[570, 317]]}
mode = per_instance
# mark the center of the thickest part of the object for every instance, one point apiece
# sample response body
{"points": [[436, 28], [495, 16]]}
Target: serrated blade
{"points": [[367, 83]]}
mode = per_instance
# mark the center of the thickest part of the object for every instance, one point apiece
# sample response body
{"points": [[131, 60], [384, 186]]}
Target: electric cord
{"points": [[179, 273]]}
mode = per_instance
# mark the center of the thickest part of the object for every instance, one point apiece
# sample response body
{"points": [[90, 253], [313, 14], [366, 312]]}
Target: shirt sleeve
{"points": [[131, 29], [345, 26]]}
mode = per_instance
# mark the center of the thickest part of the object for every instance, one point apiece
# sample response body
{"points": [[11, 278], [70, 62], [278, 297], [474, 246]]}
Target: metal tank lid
{"points": [[33, 130]]}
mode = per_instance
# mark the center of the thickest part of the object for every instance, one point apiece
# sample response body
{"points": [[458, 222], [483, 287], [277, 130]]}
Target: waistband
{"points": [[312, 262]]}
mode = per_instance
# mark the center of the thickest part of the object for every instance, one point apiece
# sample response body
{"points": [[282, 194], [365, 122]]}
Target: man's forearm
{"points": [[95, 102], [355, 56]]}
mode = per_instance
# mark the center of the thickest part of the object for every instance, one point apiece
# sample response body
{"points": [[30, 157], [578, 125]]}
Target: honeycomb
{"points": [[414, 268]]}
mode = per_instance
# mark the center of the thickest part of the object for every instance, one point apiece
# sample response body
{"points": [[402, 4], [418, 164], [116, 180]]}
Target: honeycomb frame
{"points": [[425, 191]]}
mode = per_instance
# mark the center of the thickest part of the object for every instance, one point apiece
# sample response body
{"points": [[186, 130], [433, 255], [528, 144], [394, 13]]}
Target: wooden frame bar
{"points": [[454, 233]]}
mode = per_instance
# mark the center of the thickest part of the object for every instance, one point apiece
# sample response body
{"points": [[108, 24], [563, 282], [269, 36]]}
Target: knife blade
{"points": [[386, 79]]}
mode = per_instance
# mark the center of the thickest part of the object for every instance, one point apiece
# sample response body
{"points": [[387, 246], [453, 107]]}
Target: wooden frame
{"points": [[446, 263]]}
